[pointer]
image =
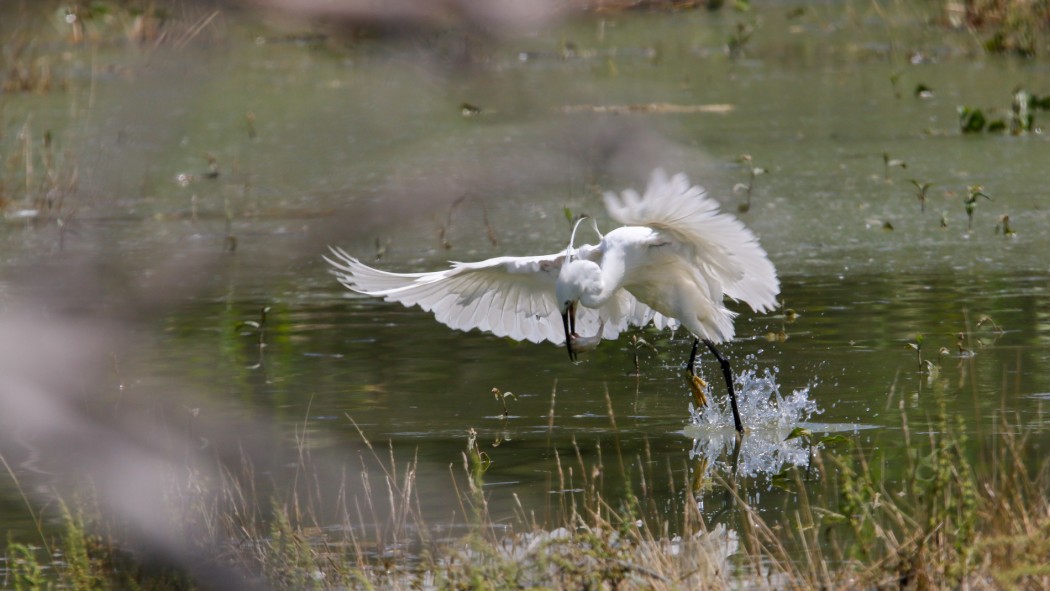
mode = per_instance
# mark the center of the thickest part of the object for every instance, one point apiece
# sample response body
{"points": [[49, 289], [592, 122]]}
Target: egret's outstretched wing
{"points": [[507, 296], [716, 242]]}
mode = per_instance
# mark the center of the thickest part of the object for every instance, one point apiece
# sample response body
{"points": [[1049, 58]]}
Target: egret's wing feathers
{"points": [[507, 296], [718, 243]]}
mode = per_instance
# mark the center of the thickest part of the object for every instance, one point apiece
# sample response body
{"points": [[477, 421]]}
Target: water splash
{"points": [[769, 418], [762, 407]]}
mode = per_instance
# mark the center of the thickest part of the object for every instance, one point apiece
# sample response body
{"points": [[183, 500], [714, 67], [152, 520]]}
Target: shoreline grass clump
{"points": [[37, 178], [948, 522], [1015, 27]]}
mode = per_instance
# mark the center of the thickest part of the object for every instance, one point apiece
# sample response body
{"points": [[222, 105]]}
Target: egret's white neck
{"points": [[590, 283], [611, 280]]}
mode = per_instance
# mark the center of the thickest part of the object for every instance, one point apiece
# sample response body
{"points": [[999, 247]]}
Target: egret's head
{"points": [[577, 279], [570, 252]]}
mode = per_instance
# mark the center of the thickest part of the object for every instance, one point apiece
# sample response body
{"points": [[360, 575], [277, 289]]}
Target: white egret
{"points": [[672, 263]]}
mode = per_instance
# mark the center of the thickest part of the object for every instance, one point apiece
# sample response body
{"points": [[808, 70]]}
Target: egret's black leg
{"points": [[691, 366], [736, 454], [568, 320], [568, 337], [728, 373]]}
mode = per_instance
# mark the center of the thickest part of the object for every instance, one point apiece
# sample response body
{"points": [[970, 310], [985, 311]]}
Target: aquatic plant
{"points": [[1018, 119], [445, 227], [637, 343], [971, 120], [920, 193], [753, 171], [787, 316], [1003, 225], [739, 39], [38, 179], [259, 327], [916, 345], [1022, 110], [970, 201], [502, 397], [888, 163]]}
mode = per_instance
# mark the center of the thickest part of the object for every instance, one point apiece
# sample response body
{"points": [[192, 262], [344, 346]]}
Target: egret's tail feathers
{"points": [[717, 242]]}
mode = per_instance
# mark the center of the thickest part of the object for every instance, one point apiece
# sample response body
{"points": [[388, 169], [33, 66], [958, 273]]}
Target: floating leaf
{"points": [[798, 432], [836, 438]]}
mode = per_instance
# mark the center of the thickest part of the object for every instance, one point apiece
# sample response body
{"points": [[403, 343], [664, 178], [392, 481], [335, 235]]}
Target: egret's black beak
{"points": [[568, 320]]}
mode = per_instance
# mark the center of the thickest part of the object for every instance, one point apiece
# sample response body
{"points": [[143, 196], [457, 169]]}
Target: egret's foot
{"points": [[697, 385]]}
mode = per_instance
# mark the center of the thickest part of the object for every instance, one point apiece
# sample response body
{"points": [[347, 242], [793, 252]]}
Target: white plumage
{"points": [[672, 263]]}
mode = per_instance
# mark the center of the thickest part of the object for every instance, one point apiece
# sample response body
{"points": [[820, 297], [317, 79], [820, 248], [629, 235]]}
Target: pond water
{"points": [[367, 147]]}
